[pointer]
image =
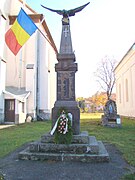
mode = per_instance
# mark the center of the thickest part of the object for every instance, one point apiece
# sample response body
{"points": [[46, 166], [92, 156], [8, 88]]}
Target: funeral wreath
{"points": [[62, 129]]}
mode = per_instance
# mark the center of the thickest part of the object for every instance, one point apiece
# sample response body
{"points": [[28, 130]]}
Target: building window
{"points": [[119, 93], [23, 107], [126, 86]]}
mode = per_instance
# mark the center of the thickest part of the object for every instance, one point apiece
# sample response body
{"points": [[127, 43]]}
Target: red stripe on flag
{"points": [[11, 41]]}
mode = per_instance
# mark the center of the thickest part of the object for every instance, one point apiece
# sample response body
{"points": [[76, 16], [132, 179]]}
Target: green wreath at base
{"points": [[62, 129]]}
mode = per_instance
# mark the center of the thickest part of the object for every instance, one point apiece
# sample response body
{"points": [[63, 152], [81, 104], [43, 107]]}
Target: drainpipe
{"points": [[37, 75], [20, 69]]}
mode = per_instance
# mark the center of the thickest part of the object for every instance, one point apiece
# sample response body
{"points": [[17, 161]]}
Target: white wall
{"points": [[52, 77], [2, 63], [47, 75], [5, 7], [2, 87], [125, 85]]}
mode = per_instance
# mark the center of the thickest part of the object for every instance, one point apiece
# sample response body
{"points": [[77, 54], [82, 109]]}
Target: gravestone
{"points": [[110, 117]]}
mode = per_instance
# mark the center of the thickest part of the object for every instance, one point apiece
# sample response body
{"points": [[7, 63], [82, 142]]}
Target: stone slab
{"points": [[93, 144], [103, 156], [66, 57], [61, 148], [82, 143], [82, 138]]}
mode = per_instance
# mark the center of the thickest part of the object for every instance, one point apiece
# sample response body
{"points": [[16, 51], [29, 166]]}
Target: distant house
{"points": [[30, 87], [97, 101], [125, 84]]}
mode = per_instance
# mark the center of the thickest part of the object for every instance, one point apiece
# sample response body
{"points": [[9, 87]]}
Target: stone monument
{"points": [[110, 117], [66, 69], [82, 147]]}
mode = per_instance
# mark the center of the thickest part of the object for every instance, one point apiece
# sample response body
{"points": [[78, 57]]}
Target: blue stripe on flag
{"points": [[26, 22]]}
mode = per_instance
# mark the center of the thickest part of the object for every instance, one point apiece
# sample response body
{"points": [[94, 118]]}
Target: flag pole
{"points": [[24, 3], [38, 28]]}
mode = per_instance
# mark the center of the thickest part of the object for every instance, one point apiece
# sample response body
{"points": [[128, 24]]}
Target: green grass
{"points": [[129, 177], [124, 138], [13, 137]]}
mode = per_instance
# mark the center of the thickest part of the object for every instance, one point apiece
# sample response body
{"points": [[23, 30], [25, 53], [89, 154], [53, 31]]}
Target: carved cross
{"points": [[66, 31]]}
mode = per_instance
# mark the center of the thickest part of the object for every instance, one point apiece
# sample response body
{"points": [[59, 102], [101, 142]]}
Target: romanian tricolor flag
{"points": [[20, 32]]}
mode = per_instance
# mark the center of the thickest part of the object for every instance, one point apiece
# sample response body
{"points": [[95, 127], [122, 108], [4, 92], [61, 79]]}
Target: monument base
{"points": [[111, 121], [84, 148], [71, 107]]}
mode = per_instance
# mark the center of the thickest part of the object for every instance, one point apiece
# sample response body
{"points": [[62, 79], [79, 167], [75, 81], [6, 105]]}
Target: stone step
{"points": [[102, 156], [93, 144], [82, 138], [90, 147], [58, 148]]}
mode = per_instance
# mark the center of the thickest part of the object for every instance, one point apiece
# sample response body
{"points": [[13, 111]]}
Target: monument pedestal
{"points": [[113, 121], [66, 69], [83, 148], [71, 107]]}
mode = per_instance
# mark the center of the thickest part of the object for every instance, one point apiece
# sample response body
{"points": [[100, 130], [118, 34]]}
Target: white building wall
{"points": [[2, 61], [2, 33], [2, 87], [30, 74], [15, 6], [5, 7], [125, 84], [133, 88], [52, 76], [43, 73], [46, 63], [30, 86]]}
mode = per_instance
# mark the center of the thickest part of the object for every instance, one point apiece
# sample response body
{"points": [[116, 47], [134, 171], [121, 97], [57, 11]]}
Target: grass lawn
{"points": [[124, 138], [13, 137]]}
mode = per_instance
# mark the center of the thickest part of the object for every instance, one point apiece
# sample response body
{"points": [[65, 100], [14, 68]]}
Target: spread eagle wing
{"points": [[72, 12], [53, 10]]}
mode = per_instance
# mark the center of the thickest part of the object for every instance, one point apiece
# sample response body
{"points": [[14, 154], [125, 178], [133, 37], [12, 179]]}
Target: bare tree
{"points": [[105, 75]]}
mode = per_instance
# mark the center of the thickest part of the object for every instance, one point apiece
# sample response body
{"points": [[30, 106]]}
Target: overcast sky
{"points": [[104, 27]]}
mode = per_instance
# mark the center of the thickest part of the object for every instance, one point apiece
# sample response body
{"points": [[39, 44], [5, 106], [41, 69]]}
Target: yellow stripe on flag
{"points": [[21, 35]]}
